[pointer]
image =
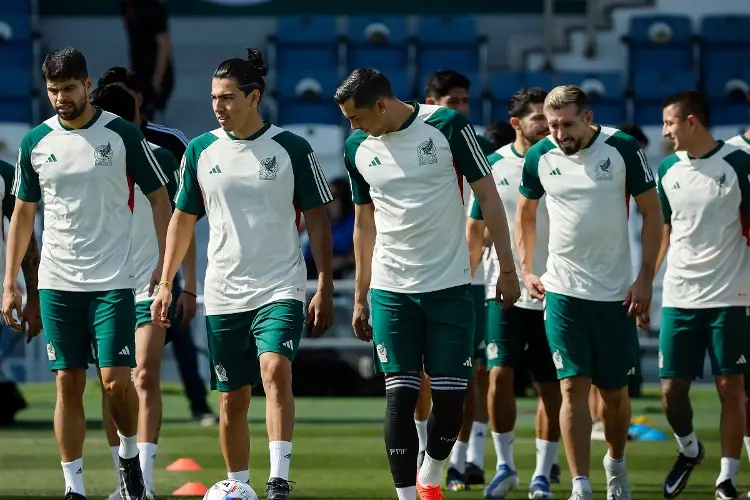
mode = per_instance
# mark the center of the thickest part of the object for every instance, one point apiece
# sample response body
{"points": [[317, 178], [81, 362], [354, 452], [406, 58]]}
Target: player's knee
{"points": [[275, 370], [402, 394], [234, 405], [116, 384], [501, 378], [615, 400], [71, 383], [146, 379], [448, 399], [674, 390], [575, 390], [731, 388]]}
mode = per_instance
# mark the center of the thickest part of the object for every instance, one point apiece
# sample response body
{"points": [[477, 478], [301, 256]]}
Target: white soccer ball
{"points": [[229, 489]]}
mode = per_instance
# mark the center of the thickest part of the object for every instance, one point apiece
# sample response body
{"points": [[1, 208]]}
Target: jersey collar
{"points": [[256, 135], [97, 114], [411, 118], [719, 145], [593, 137], [515, 151]]}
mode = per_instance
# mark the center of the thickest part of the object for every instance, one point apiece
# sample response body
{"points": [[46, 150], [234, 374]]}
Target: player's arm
{"points": [[530, 192], [364, 231], [475, 234], [666, 210]]}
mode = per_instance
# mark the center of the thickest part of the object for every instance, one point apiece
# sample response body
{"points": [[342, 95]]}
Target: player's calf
{"points": [[421, 414], [616, 418], [70, 427], [731, 395], [234, 436], [401, 442], [455, 480]]}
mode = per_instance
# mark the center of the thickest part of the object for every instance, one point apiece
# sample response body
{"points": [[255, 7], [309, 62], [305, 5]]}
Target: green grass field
{"points": [[338, 450]]}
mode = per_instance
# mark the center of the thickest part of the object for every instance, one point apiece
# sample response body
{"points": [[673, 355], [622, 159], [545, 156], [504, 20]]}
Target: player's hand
{"points": [[638, 299], [33, 319], [320, 312], [185, 308], [12, 303], [534, 285], [361, 321], [155, 279], [643, 321], [507, 290], [160, 307]]}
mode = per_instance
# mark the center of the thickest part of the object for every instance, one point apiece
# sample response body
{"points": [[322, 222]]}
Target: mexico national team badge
{"points": [[557, 360], [426, 152], [603, 170], [382, 353], [268, 169], [103, 156], [221, 373]]}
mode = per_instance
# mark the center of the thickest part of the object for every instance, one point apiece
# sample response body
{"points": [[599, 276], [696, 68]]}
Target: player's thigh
{"points": [[614, 341], [682, 343], [505, 336], [232, 349], [66, 329], [480, 324], [149, 338], [398, 331], [143, 317], [449, 346], [112, 317], [566, 325], [728, 340], [538, 354], [277, 327]]}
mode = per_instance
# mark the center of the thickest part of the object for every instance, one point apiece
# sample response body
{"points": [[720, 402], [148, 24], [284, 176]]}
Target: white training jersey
{"points": [[86, 179], [707, 202], [587, 201], [741, 141], [252, 191], [413, 178]]}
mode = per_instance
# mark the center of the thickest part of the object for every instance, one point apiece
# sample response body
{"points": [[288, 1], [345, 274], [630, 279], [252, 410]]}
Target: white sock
{"points": [[581, 483], [729, 467], [73, 473], [243, 476], [458, 456], [128, 446], [409, 493], [477, 442], [688, 445], [115, 451], [747, 445], [504, 448], [430, 472], [546, 455], [147, 455], [422, 434], [281, 456], [613, 465]]}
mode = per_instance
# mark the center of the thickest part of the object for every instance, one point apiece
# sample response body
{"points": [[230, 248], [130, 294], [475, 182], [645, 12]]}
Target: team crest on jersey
{"points": [[103, 156], [603, 170], [427, 153], [269, 168], [720, 180]]}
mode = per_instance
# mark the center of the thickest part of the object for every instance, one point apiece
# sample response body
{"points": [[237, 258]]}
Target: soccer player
{"points": [[587, 173], [83, 163], [518, 331], [149, 338], [705, 194], [411, 255], [252, 179], [466, 463]]}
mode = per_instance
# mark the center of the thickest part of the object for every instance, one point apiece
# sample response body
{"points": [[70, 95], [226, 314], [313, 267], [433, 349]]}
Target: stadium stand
{"points": [[15, 54]]}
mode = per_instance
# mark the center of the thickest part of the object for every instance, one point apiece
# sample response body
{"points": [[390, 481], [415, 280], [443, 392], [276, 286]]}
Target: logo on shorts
{"points": [[603, 170], [661, 360], [426, 152], [269, 168], [51, 352], [492, 350], [557, 359], [221, 373], [289, 344], [382, 353], [103, 156]]}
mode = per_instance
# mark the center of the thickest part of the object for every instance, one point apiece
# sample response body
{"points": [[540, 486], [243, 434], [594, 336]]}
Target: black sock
{"points": [[401, 441], [448, 395]]}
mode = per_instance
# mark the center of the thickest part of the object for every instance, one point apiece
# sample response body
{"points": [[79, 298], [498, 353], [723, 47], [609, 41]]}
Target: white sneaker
{"points": [[618, 485], [581, 495], [597, 431]]}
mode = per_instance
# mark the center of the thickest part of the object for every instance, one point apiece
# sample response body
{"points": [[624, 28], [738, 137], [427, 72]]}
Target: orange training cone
{"points": [[184, 465], [190, 490]]}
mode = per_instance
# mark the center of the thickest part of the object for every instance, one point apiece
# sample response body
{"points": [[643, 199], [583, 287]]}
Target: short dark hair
{"points": [[115, 99], [442, 82], [519, 104], [249, 74], [635, 132], [690, 102], [65, 63], [365, 86], [119, 74], [500, 133]]}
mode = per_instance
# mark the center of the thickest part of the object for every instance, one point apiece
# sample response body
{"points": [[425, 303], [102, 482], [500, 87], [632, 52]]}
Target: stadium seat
{"points": [[400, 83], [377, 42], [660, 41], [723, 82], [11, 134], [502, 86], [650, 88], [307, 97], [539, 79], [15, 110], [445, 42], [306, 42], [729, 111], [724, 43], [605, 91], [328, 143], [15, 55], [14, 27]]}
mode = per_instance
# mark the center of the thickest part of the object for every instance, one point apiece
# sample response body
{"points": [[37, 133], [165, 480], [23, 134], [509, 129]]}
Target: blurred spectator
{"points": [[501, 133], [636, 133]]}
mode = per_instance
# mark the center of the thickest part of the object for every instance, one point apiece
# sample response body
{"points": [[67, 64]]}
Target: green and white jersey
{"points": [[252, 191], [86, 179], [413, 177], [481, 274], [145, 243], [507, 165], [741, 141], [707, 202], [587, 200]]}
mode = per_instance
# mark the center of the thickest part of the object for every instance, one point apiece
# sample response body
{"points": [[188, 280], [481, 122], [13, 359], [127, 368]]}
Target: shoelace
{"points": [[287, 486]]}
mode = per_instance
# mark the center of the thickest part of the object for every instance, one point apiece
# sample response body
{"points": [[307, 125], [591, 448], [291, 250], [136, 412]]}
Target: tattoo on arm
{"points": [[30, 265]]}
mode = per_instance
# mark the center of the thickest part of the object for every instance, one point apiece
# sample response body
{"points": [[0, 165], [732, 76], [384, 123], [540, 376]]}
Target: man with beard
{"points": [[518, 331], [82, 164], [588, 173]]}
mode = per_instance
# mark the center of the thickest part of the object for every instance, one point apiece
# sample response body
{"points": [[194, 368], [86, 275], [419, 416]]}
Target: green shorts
{"points": [[686, 335], [143, 312], [236, 341], [591, 339], [79, 325], [480, 324], [515, 332], [436, 328]]}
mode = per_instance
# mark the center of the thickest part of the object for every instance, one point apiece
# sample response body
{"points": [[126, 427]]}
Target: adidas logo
{"points": [[504, 182], [468, 362], [215, 170], [742, 360], [676, 185], [51, 159], [555, 171], [289, 344], [125, 351], [80, 470], [288, 456], [375, 162]]}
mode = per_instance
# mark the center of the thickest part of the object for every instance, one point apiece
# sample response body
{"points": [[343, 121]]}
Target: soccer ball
{"points": [[229, 489]]}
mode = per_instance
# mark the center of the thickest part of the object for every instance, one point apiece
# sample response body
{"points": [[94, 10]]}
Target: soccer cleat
{"points": [[115, 495], [539, 489], [420, 459], [132, 486], [618, 485], [678, 477], [454, 480], [726, 491], [554, 475], [150, 495], [278, 489], [581, 495], [74, 496], [473, 474], [505, 480], [429, 492]]}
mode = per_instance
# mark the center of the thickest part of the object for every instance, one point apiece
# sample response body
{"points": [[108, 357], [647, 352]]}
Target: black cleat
{"points": [[420, 459], [131, 479], [678, 477], [74, 496], [554, 475], [454, 480], [473, 474], [278, 489], [726, 491]]}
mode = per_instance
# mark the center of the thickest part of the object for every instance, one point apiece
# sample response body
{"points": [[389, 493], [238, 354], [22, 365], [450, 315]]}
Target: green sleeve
{"points": [[141, 164], [476, 210], [171, 168], [531, 185], [488, 147], [7, 172], [360, 187], [26, 181], [468, 157], [310, 185], [189, 198], [639, 177], [740, 162], [666, 208]]}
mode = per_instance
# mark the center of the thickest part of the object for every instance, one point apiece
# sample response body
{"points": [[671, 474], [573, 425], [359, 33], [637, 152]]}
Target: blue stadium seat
{"points": [[306, 42], [729, 112], [14, 110], [725, 43], [502, 86], [660, 42], [445, 42], [386, 54], [539, 79], [295, 109], [605, 91], [15, 55], [15, 83], [650, 88], [718, 83], [15, 25], [306, 29], [400, 83]]}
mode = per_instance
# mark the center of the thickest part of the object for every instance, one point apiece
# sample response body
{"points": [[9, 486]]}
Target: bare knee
{"points": [[575, 390], [276, 371], [146, 379], [501, 378], [731, 388], [674, 389], [70, 383], [549, 396], [615, 400], [116, 381]]}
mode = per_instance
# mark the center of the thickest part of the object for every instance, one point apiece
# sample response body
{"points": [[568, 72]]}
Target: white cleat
{"points": [[581, 495], [618, 485]]}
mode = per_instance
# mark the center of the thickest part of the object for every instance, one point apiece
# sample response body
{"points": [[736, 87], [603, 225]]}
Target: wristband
{"points": [[513, 271], [190, 293], [165, 283]]}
